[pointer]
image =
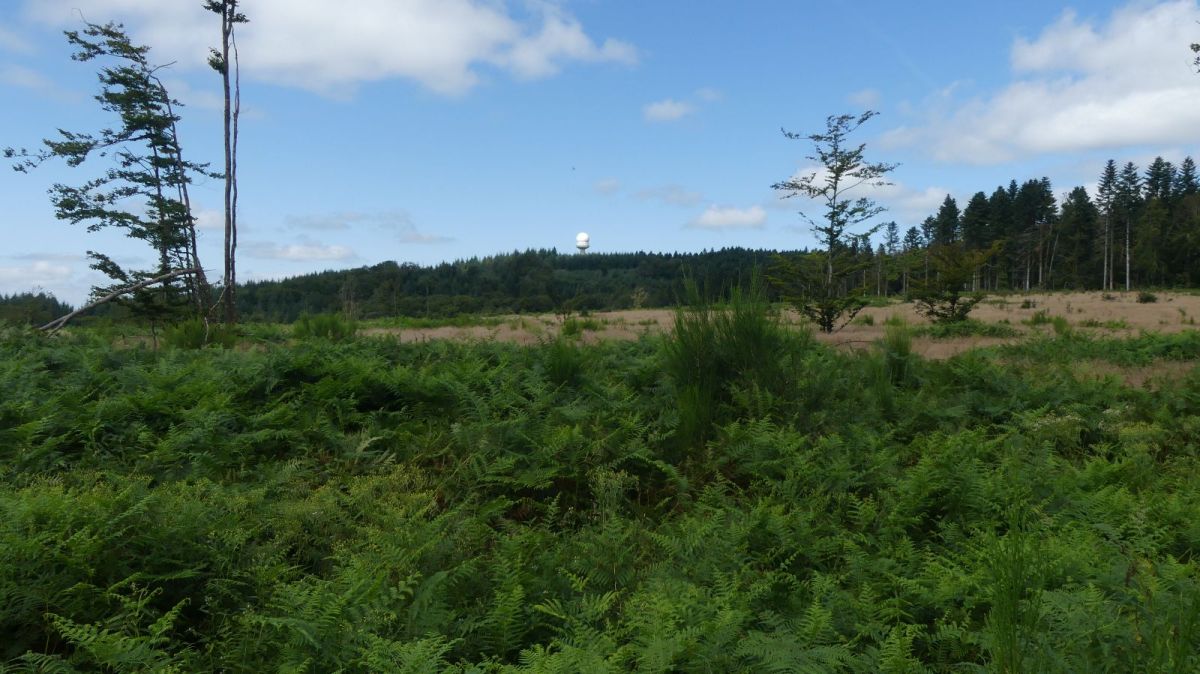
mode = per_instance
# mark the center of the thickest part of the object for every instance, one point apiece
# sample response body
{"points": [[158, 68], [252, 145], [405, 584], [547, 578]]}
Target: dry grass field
{"points": [[1111, 314]]}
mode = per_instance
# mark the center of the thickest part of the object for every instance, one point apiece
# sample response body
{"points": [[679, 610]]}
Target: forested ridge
{"points": [[1142, 229]]}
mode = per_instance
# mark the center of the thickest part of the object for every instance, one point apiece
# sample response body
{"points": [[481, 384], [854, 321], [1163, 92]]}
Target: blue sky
{"points": [[430, 130]]}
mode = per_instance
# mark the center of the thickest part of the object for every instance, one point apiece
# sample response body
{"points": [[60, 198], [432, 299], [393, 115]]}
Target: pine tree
{"points": [[1106, 194], [945, 223], [149, 167], [1000, 211], [1078, 226]]}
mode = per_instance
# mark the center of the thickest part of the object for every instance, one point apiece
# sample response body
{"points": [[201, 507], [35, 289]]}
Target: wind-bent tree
{"points": [[821, 296], [144, 190], [223, 61]]}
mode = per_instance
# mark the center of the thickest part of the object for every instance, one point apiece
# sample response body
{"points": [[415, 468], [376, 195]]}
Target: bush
{"points": [[897, 350], [967, 328], [324, 326], [198, 333], [715, 349], [1144, 297], [563, 361], [1039, 318]]}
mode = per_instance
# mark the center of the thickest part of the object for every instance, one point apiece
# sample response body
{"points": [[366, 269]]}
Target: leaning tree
{"points": [[143, 186]]}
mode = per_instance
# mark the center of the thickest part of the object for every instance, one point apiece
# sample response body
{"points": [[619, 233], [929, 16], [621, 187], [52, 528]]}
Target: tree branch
{"points": [[57, 324]]}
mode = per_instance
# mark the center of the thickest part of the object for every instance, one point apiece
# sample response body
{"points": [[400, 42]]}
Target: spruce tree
{"points": [[1106, 194], [945, 223]]}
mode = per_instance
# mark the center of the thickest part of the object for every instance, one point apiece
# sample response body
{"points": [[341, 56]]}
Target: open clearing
{"points": [[1120, 315]]}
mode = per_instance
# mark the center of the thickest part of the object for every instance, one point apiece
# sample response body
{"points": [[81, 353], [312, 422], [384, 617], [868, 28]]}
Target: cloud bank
{"points": [[1080, 85], [441, 44]]}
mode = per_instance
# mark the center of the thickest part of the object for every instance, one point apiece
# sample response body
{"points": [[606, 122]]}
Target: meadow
{"points": [[720, 491]]}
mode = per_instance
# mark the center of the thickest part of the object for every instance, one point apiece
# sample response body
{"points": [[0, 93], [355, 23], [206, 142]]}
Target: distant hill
{"points": [[526, 282]]}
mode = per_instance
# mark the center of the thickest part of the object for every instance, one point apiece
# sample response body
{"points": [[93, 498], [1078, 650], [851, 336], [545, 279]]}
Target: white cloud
{"points": [[399, 223], [728, 217], [27, 78], [667, 110], [674, 195], [607, 186], [12, 41], [1080, 86], [208, 219], [298, 252], [41, 271], [866, 98], [441, 44]]}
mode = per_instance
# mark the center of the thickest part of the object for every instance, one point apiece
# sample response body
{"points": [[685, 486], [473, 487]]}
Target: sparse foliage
{"points": [[842, 169], [145, 192]]}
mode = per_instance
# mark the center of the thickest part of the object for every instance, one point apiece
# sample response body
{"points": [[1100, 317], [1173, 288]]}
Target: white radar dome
{"points": [[582, 241]]}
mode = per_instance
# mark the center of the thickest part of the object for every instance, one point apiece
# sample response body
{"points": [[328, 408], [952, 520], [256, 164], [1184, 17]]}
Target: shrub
{"points": [[1144, 297], [967, 328], [1039, 318], [324, 326], [897, 350], [563, 361], [1062, 327], [198, 333]]}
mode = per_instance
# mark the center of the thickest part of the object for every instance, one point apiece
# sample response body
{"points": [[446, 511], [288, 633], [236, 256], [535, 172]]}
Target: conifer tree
{"points": [[149, 170], [945, 223], [1106, 194]]}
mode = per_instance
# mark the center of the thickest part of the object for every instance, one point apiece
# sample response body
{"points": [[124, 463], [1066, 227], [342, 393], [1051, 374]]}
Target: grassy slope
{"points": [[374, 506]]}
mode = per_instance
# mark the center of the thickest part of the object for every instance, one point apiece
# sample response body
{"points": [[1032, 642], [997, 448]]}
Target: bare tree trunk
{"points": [[1127, 283]]}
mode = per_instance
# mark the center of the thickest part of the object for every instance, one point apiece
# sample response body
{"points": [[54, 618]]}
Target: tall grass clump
{"points": [[897, 351], [563, 361], [324, 326], [198, 333], [715, 349]]}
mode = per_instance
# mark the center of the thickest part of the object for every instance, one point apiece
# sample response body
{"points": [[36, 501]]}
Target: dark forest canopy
{"points": [[1141, 229], [528, 281]]}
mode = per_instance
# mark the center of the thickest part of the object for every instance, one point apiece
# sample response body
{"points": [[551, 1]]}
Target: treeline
{"points": [[1142, 228], [31, 308], [530, 281]]}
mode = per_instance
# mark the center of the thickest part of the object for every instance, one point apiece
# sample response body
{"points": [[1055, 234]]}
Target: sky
{"points": [[425, 131]]}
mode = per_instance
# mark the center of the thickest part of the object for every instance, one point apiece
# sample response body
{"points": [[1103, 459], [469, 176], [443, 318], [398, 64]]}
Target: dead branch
{"points": [[57, 324]]}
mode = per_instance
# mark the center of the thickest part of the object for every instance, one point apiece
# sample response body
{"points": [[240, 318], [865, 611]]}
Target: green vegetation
{"points": [[332, 327], [968, 327], [736, 498]]}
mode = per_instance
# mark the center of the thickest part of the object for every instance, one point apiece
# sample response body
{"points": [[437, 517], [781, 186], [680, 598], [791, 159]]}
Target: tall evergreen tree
{"points": [[1000, 210], [1106, 194], [1078, 225], [945, 223], [1186, 182]]}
